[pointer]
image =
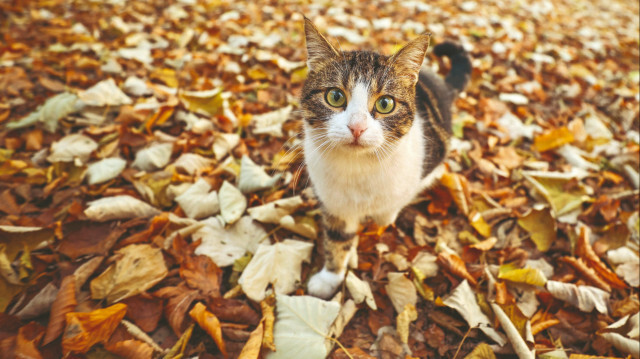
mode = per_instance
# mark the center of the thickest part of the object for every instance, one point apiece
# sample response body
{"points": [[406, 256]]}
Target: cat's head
{"points": [[359, 100]]}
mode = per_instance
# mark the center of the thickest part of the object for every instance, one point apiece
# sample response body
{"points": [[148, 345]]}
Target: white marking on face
{"points": [[355, 127]]}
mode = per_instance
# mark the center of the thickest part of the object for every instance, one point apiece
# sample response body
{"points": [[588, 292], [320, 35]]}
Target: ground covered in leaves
{"points": [[153, 197]]}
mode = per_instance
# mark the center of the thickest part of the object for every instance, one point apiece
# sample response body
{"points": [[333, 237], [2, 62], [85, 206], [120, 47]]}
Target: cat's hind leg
{"points": [[340, 238]]}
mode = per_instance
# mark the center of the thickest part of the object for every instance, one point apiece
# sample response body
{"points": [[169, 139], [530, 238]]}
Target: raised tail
{"points": [[460, 72]]}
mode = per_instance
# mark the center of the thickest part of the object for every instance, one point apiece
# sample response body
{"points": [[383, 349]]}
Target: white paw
{"points": [[324, 283]]}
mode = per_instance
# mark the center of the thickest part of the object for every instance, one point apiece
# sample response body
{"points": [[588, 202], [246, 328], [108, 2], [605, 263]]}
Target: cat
{"points": [[376, 131]]}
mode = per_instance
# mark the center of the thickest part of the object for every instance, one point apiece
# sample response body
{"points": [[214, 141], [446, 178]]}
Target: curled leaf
{"points": [[210, 323], [84, 330]]}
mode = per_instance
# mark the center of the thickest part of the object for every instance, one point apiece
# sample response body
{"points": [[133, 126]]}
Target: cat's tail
{"points": [[460, 72]]}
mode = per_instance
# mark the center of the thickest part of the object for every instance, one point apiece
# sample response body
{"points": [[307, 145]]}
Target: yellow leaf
{"points": [[208, 103], [478, 222], [251, 349], [530, 276], [267, 305], [541, 226], [166, 76], [561, 195], [408, 315], [458, 188], [176, 352], [482, 351], [552, 139]]}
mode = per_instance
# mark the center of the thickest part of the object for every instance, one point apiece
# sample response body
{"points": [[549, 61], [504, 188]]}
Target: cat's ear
{"points": [[318, 48], [409, 59]]}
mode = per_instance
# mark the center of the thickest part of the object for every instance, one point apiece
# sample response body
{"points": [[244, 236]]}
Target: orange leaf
{"points": [[586, 252], [552, 139], [587, 273], [456, 266], [27, 341], [64, 303], [84, 330], [210, 323], [268, 305], [159, 117], [131, 349]]}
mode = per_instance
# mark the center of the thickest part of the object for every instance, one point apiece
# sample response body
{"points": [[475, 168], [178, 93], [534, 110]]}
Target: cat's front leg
{"points": [[340, 238]]}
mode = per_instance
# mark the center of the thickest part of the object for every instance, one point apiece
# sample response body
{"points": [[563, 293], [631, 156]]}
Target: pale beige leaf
{"points": [[119, 207], [232, 202], [279, 264], [360, 290], [225, 245], [585, 298], [197, 201], [401, 291]]}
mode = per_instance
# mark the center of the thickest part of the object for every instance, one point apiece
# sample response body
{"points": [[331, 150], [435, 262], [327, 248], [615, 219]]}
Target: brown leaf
{"points": [[179, 300], [84, 330], [27, 341], [232, 310], [201, 273], [210, 323], [131, 349], [145, 311], [86, 237], [456, 266], [64, 303]]}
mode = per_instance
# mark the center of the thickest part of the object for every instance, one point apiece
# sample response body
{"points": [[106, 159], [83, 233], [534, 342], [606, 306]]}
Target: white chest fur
{"points": [[353, 185]]}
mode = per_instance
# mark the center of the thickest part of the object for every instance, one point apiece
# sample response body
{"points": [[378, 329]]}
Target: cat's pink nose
{"points": [[357, 128]]}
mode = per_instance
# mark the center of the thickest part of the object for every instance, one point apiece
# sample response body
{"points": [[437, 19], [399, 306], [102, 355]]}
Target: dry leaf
{"points": [[253, 178], [401, 291], [251, 349], [232, 202], [455, 265], [360, 290], [279, 264], [463, 300], [197, 201], [584, 297], [210, 323], [64, 303], [138, 267], [84, 330], [404, 319], [539, 222], [225, 245]]}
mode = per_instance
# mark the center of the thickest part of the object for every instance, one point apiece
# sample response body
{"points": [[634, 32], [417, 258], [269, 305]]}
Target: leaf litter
{"points": [[155, 163]]}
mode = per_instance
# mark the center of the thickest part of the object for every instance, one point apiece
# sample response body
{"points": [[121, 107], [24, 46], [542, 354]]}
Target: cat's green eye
{"points": [[385, 104], [335, 97]]}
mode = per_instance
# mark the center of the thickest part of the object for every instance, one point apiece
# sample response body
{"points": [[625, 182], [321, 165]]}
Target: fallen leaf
{"points": [[64, 303], [455, 265], [273, 212], [197, 201], [271, 123], [251, 349], [529, 276], [360, 290], [105, 170], [463, 300], [551, 139], [516, 340], [104, 93], [586, 252], [225, 245], [153, 157], [39, 304], [71, 148], [138, 267], [207, 103], [52, 111], [482, 351], [207, 321], [132, 349], [624, 334], [232, 202], [552, 186], [404, 319], [84, 330], [401, 291], [302, 327], [119, 207], [541, 225], [584, 297], [179, 301], [279, 264], [201, 273], [192, 163], [253, 178]]}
